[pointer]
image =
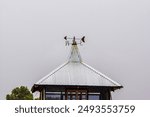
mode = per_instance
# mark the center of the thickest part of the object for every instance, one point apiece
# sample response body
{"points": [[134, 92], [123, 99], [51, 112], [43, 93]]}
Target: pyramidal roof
{"points": [[76, 73]]}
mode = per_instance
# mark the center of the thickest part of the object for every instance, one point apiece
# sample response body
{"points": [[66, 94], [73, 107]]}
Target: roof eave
{"points": [[38, 87]]}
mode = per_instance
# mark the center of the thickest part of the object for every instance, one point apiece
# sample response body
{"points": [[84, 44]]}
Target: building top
{"points": [[75, 55], [76, 73]]}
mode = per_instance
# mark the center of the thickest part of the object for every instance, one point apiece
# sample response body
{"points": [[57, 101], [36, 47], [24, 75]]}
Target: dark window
{"points": [[53, 96], [95, 96], [76, 94], [72, 95]]}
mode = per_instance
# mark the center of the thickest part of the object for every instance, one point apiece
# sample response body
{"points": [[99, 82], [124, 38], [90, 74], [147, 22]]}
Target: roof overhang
{"points": [[59, 88]]}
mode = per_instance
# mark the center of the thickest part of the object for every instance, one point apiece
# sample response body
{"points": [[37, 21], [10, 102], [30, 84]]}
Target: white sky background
{"points": [[117, 41]]}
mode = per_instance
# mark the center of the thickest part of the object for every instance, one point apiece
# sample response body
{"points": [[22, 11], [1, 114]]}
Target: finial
{"points": [[75, 41]]}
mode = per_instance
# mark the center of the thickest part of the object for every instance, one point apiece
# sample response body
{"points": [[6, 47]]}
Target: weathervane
{"points": [[75, 41]]}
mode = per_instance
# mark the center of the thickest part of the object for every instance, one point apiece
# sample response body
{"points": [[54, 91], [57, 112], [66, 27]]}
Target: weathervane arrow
{"points": [[74, 40]]}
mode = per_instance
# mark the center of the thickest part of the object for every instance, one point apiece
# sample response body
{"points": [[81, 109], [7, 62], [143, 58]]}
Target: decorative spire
{"points": [[74, 53]]}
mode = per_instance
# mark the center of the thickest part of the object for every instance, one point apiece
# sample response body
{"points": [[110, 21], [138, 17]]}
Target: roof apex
{"points": [[74, 54]]}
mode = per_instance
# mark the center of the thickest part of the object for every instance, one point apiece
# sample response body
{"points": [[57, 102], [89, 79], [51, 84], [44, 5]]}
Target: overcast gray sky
{"points": [[117, 41]]}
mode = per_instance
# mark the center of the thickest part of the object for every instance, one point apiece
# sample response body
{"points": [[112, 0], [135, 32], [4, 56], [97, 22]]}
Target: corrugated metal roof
{"points": [[75, 72]]}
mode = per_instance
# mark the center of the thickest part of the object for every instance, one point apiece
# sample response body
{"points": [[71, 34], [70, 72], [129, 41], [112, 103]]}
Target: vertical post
{"points": [[61, 95], [105, 95], [81, 96], [44, 95], [66, 95], [77, 95], [40, 95]]}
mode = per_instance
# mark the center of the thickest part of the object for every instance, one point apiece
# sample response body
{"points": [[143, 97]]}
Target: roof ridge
{"points": [[101, 74], [52, 72]]}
